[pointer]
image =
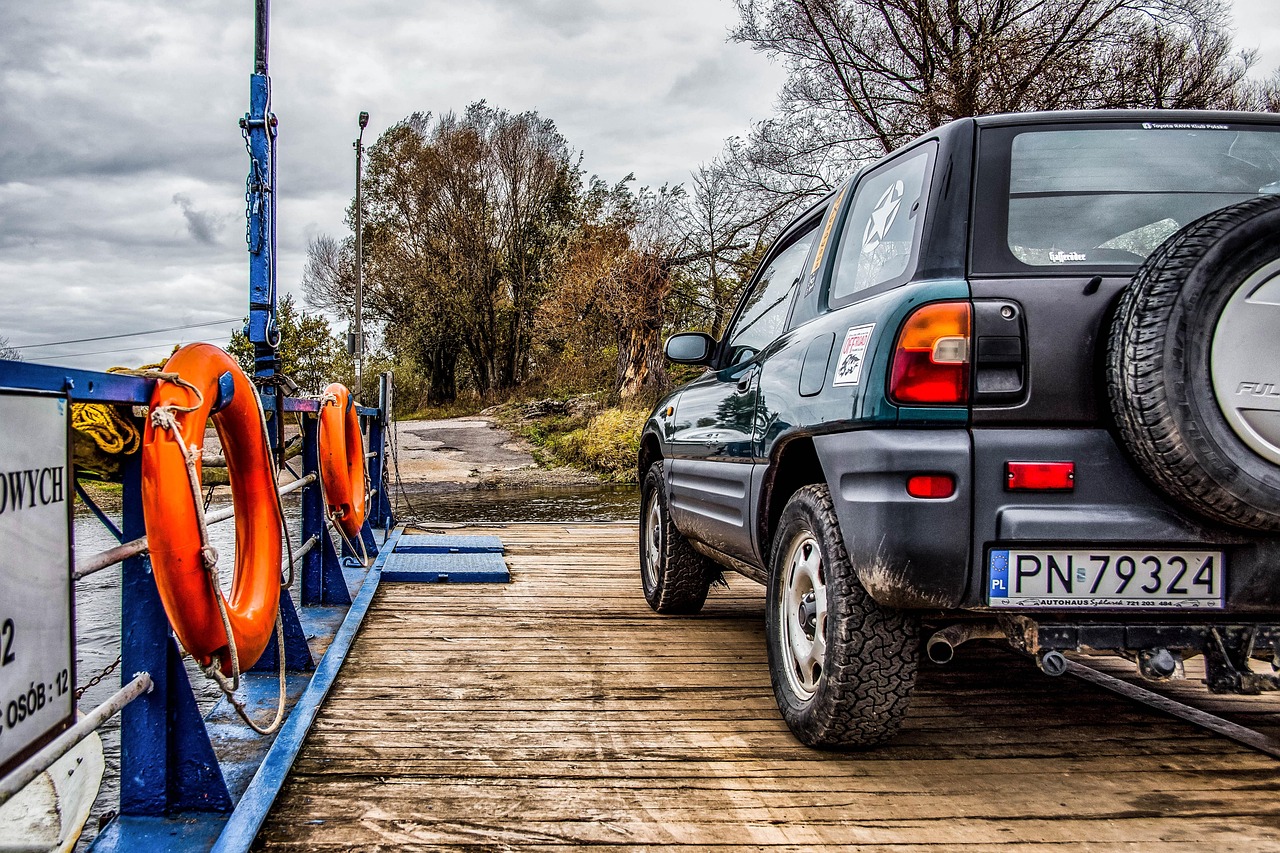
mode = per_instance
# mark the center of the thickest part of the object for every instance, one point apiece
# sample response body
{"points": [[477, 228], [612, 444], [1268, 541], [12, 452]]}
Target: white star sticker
{"points": [[882, 217]]}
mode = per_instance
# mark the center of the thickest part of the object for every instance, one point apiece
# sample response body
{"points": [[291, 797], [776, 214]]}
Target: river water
{"points": [[98, 596]]}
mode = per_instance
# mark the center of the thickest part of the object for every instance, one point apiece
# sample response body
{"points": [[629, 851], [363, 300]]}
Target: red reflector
{"points": [[1041, 475], [931, 486]]}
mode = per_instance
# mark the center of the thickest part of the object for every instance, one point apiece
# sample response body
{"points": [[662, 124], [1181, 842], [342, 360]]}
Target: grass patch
{"points": [[605, 442]]}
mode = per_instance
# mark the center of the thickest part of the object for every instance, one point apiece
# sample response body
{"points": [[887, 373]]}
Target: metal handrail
{"points": [[305, 549], [120, 553], [109, 557], [60, 746]]}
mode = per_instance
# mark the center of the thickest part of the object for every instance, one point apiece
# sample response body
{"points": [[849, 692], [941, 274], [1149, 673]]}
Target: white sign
{"points": [[37, 686], [852, 354]]}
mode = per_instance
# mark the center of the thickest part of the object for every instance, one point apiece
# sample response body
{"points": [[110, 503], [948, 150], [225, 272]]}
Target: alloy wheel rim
{"points": [[1245, 348], [803, 616], [652, 540]]}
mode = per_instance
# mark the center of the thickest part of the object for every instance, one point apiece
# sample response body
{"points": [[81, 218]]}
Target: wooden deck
{"points": [[559, 712]]}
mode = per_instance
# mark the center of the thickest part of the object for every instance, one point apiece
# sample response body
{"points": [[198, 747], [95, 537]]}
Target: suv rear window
{"points": [[1085, 196]]}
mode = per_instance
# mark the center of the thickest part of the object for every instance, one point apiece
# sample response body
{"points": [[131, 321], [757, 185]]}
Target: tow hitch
{"points": [[1157, 650]]}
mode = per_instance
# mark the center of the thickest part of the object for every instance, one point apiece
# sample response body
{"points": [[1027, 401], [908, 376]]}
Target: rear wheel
{"points": [[675, 577], [1191, 366], [843, 667]]}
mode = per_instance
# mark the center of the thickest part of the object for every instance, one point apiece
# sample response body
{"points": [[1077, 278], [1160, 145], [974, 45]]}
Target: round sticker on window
{"points": [[882, 217]]}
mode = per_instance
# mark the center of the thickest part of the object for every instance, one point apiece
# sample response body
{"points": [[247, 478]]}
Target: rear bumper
{"points": [[931, 554], [908, 552]]}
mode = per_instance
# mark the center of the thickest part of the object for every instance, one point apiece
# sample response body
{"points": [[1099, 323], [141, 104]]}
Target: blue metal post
{"points": [[259, 128], [166, 761], [297, 653], [380, 514], [322, 580]]}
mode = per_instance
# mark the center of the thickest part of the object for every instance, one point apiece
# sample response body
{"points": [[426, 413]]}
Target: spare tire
{"points": [[1193, 365]]}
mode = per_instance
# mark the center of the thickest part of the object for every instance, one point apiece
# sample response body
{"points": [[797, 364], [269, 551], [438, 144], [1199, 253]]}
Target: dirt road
{"points": [[473, 452]]}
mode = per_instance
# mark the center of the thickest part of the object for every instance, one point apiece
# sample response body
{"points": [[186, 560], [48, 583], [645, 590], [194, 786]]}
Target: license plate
{"points": [[1057, 577]]}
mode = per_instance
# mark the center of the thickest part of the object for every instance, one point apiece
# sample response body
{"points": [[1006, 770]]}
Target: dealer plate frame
{"points": [[1097, 568]]}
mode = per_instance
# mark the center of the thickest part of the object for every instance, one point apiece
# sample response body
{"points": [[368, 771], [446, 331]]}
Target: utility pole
{"points": [[358, 350]]}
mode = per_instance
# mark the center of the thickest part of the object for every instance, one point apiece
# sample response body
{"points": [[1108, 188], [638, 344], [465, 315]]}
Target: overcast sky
{"points": [[122, 169]]}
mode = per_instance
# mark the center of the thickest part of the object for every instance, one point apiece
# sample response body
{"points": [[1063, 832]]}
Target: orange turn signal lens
{"points": [[931, 359]]}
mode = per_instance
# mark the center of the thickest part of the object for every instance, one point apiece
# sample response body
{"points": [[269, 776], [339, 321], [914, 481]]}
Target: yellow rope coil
{"points": [[111, 432]]}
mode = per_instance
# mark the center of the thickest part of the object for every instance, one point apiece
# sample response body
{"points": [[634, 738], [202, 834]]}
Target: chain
{"points": [[257, 189], [97, 679], [248, 188]]}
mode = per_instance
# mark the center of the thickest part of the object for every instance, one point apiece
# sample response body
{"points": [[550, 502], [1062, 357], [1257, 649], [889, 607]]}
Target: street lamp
{"points": [[358, 350]]}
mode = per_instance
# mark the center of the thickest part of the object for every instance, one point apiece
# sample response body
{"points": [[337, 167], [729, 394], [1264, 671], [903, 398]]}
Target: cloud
{"points": [[201, 224], [122, 166]]}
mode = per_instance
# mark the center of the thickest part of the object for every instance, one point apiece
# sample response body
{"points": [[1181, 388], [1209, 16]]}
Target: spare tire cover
{"points": [[1193, 365]]}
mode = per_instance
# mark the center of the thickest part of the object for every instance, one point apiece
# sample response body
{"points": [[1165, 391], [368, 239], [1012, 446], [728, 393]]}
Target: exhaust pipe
{"points": [[941, 647]]}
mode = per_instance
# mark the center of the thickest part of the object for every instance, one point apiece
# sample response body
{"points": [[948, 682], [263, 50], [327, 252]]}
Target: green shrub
{"points": [[608, 444]]}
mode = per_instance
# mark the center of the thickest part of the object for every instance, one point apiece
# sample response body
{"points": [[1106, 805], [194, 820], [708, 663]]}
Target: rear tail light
{"points": [[931, 359]]}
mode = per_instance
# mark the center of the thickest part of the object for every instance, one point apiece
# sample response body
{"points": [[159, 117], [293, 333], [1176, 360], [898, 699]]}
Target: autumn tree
{"points": [[617, 290], [576, 333], [865, 76], [465, 220]]}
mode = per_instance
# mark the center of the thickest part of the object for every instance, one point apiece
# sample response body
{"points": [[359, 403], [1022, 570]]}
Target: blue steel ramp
{"points": [[439, 543], [446, 559]]}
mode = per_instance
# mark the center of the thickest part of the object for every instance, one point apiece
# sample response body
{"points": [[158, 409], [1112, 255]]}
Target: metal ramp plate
{"points": [[436, 543], [445, 568]]}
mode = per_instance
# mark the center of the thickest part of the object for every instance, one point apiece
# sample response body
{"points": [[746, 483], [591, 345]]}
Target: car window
{"points": [[1113, 195], [763, 315], [1106, 196], [881, 233]]}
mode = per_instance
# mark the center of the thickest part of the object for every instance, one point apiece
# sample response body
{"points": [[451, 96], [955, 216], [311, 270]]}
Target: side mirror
{"points": [[690, 348]]}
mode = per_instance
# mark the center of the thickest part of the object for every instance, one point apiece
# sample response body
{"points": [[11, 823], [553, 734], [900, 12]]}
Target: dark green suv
{"points": [[1018, 379]]}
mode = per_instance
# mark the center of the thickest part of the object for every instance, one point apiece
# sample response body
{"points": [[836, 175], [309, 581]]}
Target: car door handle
{"points": [[744, 381]]}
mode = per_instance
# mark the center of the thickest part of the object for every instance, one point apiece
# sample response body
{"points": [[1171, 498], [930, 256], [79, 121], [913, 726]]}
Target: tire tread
{"points": [[871, 666], [1148, 398]]}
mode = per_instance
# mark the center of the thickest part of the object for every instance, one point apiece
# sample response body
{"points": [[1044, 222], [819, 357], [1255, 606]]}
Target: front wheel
{"points": [[675, 577], [843, 667]]}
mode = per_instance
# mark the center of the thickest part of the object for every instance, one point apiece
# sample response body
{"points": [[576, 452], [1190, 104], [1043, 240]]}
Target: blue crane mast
{"points": [[258, 127]]}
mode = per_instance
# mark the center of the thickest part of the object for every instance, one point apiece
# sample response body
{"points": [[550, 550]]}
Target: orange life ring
{"points": [[173, 528], [342, 460]]}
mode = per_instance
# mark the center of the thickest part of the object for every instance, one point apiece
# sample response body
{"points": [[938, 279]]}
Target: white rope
{"points": [[333, 517], [165, 417]]}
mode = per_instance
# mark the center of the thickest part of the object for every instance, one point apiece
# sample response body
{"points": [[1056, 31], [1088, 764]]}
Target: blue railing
{"points": [[169, 767]]}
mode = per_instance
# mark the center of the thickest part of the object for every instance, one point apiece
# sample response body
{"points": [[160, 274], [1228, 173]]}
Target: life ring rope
{"points": [[341, 464], [165, 417], [331, 517]]}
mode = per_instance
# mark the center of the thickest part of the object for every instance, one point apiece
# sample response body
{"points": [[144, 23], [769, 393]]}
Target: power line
{"points": [[108, 351], [130, 334]]}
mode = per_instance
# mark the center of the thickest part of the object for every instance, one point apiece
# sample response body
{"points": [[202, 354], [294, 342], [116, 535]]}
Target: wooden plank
{"points": [[557, 712]]}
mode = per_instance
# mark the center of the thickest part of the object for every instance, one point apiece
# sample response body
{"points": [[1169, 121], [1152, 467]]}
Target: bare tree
{"points": [[865, 76], [7, 352], [328, 279], [728, 231]]}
